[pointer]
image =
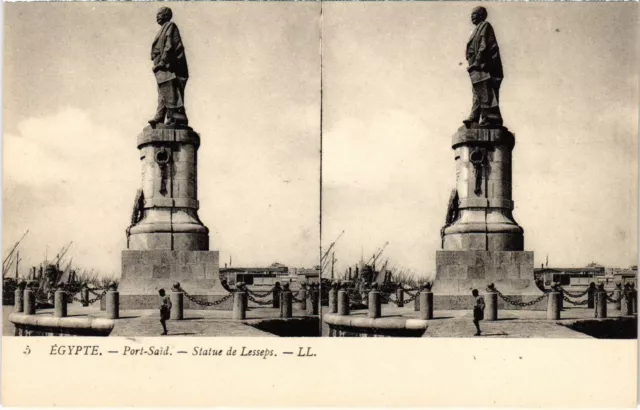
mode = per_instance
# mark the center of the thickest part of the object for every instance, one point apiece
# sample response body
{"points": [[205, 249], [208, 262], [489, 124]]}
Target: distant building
{"points": [[569, 276], [623, 275], [584, 276], [268, 276]]}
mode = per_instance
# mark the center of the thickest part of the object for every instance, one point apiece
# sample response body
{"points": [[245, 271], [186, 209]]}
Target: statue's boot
{"points": [[469, 121], [155, 121]]}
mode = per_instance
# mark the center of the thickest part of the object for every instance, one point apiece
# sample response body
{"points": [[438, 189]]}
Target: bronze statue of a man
{"points": [[485, 70], [170, 68]]}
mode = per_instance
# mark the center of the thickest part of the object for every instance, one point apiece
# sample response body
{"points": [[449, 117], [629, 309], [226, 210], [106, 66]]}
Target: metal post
{"points": [[343, 302], [85, 295], [315, 299], [601, 303], [177, 304], [18, 302], [113, 303], [276, 295], [333, 298], [400, 296], [591, 293], [60, 303], [303, 298], [375, 308], [553, 305], [491, 306], [29, 302], [239, 302], [426, 305], [629, 302], [287, 302]]}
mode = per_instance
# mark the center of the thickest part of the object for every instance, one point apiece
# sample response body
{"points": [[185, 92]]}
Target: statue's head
{"points": [[164, 15], [478, 15]]}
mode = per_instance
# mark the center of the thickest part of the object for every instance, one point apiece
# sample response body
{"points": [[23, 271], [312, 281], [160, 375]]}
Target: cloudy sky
{"points": [[78, 89], [396, 89]]}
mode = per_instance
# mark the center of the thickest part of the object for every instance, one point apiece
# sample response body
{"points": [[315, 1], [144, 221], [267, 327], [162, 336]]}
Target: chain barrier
{"points": [[520, 304], [105, 289], [260, 302], [411, 299], [574, 302], [612, 300], [90, 301], [206, 303], [575, 295], [259, 294]]}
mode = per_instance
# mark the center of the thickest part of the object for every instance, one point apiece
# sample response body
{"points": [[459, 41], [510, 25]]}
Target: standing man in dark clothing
{"points": [[485, 71], [171, 71], [478, 310], [165, 310]]}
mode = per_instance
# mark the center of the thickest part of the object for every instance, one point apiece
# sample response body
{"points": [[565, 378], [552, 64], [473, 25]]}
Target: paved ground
{"points": [[510, 323], [142, 323]]}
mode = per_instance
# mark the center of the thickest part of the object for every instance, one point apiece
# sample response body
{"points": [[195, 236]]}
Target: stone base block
{"points": [[457, 272], [145, 272]]}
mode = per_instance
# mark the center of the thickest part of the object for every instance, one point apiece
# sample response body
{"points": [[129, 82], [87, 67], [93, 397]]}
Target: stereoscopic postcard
{"points": [[320, 203]]}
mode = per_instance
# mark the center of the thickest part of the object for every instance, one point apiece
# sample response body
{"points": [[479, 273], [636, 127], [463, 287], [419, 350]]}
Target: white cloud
{"points": [[67, 178]]}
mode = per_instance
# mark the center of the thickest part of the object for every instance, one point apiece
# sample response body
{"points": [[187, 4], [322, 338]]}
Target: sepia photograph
{"points": [[161, 169], [480, 169], [213, 202]]}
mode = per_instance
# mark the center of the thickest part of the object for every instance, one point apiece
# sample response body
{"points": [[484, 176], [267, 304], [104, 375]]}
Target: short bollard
{"points": [[29, 302], [276, 295], [242, 287], [60, 303], [315, 300], [333, 298], [85, 296], [491, 306], [591, 295], [616, 296], [343, 302], [177, 304], [628, 302], [113, 303], [374, 306], [400, 297], [426, 305], [286, 302], [18, 300], [239, 312], [553, 305], [601, 304], [416, 302], [303, 297]]}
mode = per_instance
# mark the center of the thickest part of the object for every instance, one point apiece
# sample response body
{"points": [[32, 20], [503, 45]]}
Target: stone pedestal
{"points": [[145, 272], [168, 208], [481, 241], [167, 242], [482, 218], [458, 272]]}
